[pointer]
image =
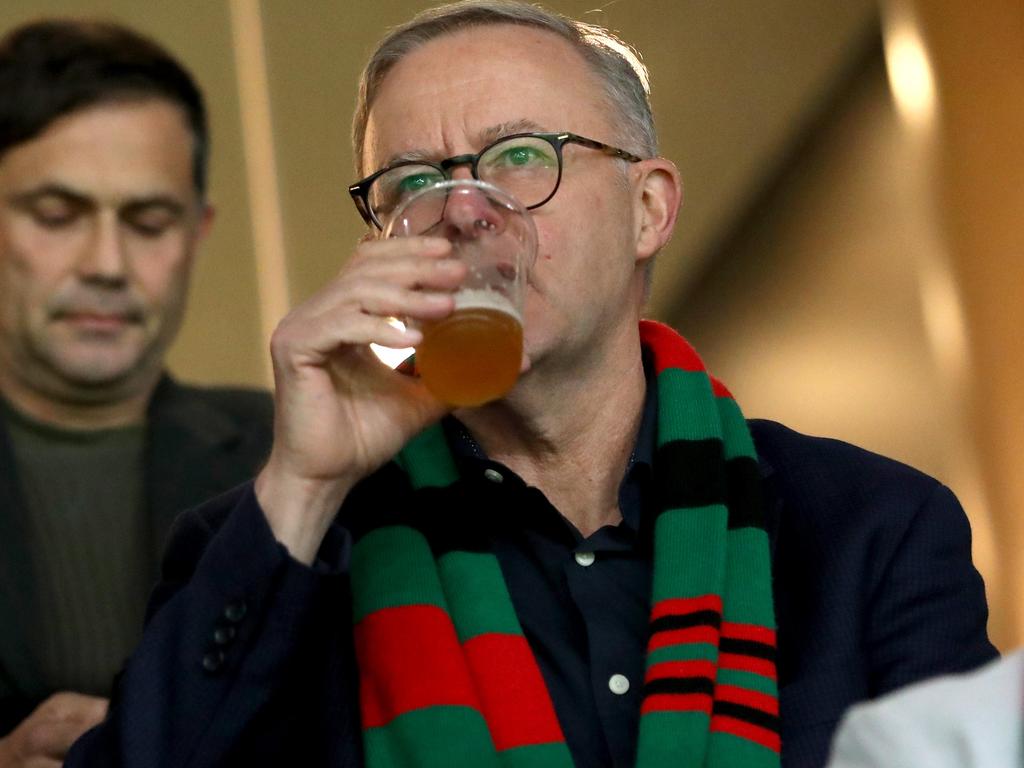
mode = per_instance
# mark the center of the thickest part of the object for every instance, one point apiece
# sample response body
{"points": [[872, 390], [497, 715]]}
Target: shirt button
{"points": [[585, 559], [618, 684], [493, 475]]}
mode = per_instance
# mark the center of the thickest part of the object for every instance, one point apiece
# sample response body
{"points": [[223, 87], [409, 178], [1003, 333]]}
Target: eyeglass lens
{"points": [[525, 167]]}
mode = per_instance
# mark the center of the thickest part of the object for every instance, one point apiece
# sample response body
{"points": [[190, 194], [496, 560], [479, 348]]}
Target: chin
{"points": [[97, 371]]}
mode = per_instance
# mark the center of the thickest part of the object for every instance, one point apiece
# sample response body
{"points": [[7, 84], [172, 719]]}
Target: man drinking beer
{"points": [[608, 566]]}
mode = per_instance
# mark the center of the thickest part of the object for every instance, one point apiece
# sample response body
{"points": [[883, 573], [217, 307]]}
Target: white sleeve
{"points": [[959, 721]]}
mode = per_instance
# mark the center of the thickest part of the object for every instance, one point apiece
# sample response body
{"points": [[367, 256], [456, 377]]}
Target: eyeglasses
{"points": [[526, 165]]}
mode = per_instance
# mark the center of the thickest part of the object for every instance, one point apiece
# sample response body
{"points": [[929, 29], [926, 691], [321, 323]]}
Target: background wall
{"points": [[848, 261]]}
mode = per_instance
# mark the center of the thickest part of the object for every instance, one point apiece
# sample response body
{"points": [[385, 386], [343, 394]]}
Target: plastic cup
{"points": [[474, 355]]}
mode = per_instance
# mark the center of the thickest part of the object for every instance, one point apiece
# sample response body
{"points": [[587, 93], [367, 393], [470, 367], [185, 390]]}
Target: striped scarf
{"points": [[448, 679]]}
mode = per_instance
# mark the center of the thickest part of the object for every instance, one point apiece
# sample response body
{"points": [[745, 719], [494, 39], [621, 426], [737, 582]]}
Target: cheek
{"points": [[28, 281], [161, 274]]}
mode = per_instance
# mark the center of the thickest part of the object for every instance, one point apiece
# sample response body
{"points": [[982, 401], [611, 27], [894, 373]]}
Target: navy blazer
{"points": [[247, 657]]}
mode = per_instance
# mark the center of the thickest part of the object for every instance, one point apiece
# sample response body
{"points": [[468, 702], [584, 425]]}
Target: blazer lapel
{"points": [[188, 457]]}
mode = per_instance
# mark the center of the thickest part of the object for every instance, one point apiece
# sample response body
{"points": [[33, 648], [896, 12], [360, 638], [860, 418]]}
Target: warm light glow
{"points": [[392, 358], [944, 321], [911, 77]]}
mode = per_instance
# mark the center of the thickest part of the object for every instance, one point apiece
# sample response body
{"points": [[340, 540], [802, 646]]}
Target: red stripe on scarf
{"points": [[719, 389], [754, 632], [409, 659], [671, 349], [744, 663], [681, 669], [680, 636], [755, 699], [677, 702], [755, 733], [515, 700], [680, 606]]}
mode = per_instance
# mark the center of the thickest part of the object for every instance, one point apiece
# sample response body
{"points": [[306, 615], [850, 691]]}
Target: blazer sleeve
{"points": [[218, 675], [929, 611]]}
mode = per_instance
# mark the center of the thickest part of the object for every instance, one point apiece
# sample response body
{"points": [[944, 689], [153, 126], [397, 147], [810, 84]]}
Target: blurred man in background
{"points": [[103, 170], [584, 572]]}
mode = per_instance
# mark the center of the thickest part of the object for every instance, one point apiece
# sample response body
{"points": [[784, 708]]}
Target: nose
{"points": [[471, 213], [104, 257]]}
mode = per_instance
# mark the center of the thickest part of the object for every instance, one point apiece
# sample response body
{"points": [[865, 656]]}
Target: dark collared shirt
{"points": [[583, 603]]}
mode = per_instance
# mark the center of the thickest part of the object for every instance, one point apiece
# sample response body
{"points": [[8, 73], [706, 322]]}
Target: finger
{"points": [[408, 271], [396, 247], [384, 300], [293, 347], [330, 333], [69, 705], [53, 738], [379, 291]]}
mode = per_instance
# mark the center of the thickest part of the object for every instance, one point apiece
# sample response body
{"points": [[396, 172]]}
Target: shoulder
{"points": [[240, 404], [793, 455], [834, 477], [238, 418], [969, 720]]}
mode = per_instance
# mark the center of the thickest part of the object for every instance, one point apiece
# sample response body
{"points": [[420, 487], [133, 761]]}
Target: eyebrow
{"points": [[483, 138], [75, 197]]}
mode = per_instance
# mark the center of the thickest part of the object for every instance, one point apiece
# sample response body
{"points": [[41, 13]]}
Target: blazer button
{"points": [[224, 634], [235, 612], [213, 660]]}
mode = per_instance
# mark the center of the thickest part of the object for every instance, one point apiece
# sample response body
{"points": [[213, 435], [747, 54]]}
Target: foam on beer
{"points": [[486, 298]]}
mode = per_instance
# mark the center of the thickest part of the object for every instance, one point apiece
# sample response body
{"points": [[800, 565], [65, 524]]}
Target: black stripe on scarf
{"points": [[747, 648], [706, 618], [748, 714], [694, 480]]}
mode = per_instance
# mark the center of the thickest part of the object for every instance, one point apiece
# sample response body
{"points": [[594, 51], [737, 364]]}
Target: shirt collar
{"points": [[639, 469]]}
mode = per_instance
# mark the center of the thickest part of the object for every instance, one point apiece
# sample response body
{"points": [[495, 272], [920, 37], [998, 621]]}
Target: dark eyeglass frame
{"points": [[361, 189]]}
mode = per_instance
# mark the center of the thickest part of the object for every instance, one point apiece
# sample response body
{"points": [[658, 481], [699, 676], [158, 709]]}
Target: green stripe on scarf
{"points": [[466, 690]]}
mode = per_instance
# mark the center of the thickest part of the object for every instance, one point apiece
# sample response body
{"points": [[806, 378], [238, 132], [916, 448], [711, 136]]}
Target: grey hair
{"points": [[616, 63]]}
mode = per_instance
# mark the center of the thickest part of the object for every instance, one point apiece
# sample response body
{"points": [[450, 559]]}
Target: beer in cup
{"points": [[474, 355]]}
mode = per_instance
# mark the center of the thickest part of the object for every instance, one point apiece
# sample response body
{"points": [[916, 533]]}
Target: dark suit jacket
{"points": [[247, 658], [200, 442]]}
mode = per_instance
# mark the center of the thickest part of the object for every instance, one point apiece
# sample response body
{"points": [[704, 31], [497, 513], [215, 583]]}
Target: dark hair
{"points": [[51, 68]]}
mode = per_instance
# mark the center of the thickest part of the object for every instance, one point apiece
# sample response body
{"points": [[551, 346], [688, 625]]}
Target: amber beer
{"points": [[472, 356]]}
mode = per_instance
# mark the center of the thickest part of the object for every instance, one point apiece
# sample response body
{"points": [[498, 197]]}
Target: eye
{"points": [[417, 181], [54, 215], [518, 155], [151, 225], [521, 156], [150, 219]]}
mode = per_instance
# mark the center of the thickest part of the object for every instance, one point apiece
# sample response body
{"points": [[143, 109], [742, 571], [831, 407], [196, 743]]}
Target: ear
{"points": [[206, 217], [658, 195]]}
